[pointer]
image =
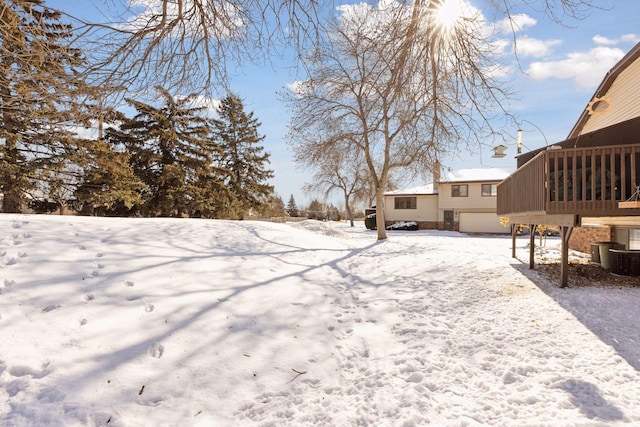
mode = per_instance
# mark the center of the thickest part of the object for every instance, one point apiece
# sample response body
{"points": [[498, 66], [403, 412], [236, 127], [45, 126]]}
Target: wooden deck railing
{"points": [[582, 181]]}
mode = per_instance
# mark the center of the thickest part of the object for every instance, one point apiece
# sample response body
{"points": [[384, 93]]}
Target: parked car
{"points": [[405, 225]]}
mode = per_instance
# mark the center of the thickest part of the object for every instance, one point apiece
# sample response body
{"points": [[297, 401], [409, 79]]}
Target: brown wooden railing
{"points": [[583, 181]]}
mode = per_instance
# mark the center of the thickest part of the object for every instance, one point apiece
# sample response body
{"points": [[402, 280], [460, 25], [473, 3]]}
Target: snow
{"points": [[476, 174], [421, 189], [176, 322]]}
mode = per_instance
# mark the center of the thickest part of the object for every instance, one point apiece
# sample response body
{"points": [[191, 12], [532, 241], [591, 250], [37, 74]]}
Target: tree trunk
{"points": [[10, 181], [348, 208], [380, 224]]}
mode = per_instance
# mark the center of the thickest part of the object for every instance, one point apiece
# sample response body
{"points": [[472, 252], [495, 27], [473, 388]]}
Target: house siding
{"points": [[622, 106], [474, 202], [426, 208], [430, 207]]}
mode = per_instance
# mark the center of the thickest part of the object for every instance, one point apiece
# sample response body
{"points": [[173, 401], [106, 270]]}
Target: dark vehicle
{"points": [[407, 225]]}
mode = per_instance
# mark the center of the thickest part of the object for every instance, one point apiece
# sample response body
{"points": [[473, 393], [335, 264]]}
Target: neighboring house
{"points": [[465, 201], [591, 178]]}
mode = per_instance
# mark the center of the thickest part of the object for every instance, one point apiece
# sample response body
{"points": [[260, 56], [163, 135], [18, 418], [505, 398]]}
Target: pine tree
{"points": [[109, 185], [237, 133], [39, 86], [275, 207], [171, 153], [292, 208], [317, 210]]}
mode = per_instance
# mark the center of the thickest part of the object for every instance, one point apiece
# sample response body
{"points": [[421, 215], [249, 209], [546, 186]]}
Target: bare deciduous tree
{"points": [[193, 45], [337, 169], [402, 85]]}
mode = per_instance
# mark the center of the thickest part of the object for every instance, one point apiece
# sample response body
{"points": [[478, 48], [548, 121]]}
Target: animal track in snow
{"points": [[149, 308], [8, 283], [156, 350], [129, 283]]}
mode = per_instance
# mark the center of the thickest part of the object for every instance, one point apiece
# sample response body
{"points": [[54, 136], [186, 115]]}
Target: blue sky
{"points": [[562, 64]]}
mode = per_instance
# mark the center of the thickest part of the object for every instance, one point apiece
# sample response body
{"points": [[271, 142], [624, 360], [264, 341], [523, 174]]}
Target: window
{"points": [[460, 190], [489, 190], [405, 202], [634, 239]]}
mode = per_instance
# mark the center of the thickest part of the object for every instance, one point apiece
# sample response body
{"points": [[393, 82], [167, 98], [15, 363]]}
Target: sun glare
{"points": [[448, 13]]}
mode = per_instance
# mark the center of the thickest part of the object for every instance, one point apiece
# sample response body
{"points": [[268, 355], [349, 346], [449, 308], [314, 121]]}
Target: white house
{"points": [[464, 201]]}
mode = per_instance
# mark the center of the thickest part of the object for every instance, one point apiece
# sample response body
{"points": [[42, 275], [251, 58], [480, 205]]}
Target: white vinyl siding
{"points": [[623, 106]]}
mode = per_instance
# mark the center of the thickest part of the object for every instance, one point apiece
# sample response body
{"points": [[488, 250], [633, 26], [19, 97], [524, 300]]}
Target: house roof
{"points": [[422, 189], [476, 175]]}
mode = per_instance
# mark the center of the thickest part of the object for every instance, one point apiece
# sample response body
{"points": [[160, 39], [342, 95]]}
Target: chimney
{"points": [[436, 175]]}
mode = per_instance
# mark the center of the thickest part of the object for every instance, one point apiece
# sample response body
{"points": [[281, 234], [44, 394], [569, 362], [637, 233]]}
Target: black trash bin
{"points": [[370, 222]]}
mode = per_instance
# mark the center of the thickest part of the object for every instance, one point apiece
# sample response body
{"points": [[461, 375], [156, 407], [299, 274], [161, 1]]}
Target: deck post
{"points": [[532, 245], [565, 234], [514, 228]]}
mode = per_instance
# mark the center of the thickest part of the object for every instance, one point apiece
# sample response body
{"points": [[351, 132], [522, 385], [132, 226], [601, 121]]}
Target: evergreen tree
{"points": [[109, 185], [171, 153], [292, 208], [316, 210], [275, 207], [39, 86], [237, 133]]}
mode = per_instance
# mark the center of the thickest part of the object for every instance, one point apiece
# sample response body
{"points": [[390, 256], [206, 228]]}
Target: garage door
{"points": [[481, 223]]}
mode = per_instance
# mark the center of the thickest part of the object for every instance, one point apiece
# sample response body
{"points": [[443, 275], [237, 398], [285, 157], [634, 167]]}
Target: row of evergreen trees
{"points": [[185, 164], [169, 159], [316, 210]]}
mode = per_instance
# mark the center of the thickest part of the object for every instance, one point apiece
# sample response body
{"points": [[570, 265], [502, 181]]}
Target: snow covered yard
{"points": [[162, 322]]}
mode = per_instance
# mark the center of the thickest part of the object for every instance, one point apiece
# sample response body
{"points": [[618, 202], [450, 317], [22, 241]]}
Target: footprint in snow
{"points": [[8, 283], [129, 283], [23, 371], [149, 308], [12, 261], [83, 248], [416, 377], [156, 350]]}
